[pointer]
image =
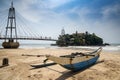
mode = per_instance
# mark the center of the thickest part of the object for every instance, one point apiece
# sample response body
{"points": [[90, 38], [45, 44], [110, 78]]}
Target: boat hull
{"points": [[81, 65], [76, 61]]}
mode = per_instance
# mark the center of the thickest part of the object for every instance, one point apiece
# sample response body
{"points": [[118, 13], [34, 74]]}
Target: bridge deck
{"points": [[46, 39]]}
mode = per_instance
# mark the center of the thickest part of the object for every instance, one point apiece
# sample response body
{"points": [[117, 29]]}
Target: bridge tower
{"points": [[11, 31]]}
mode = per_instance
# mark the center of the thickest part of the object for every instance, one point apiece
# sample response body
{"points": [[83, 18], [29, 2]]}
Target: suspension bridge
{"points": [[16, 28]]}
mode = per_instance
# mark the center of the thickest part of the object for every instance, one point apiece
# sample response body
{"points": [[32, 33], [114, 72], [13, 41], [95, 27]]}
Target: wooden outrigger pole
{"points": [[33, 55], [40, 65]]}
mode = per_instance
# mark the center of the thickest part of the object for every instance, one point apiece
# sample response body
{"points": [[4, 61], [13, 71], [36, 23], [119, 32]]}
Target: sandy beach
{"points": [[107, 67]]}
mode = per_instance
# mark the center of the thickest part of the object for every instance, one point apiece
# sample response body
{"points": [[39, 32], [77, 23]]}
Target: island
{"points": [[79, 39]]}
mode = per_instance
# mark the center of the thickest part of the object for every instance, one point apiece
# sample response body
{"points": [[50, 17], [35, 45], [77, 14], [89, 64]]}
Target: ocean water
{"points": [[37, 46], [105, 48], [112, 47]]}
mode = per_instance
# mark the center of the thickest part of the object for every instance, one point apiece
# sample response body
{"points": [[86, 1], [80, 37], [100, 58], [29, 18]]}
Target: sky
{"points": [[48, 17]]}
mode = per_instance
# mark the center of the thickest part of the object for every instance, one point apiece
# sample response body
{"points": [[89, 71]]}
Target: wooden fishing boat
{"points": [[76, 61]]}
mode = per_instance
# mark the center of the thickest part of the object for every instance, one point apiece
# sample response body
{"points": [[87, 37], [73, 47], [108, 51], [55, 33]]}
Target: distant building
{"points": [[63, 32]]}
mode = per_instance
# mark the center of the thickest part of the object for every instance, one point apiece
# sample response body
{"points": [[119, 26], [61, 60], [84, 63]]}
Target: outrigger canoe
{"points": [[76, 61]]}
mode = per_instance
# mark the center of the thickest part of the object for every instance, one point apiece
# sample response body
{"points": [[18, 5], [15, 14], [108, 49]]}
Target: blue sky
{"points": [[48, 17]]}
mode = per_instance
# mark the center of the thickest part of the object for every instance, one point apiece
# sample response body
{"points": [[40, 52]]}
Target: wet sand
{"points": [[107, 67]]}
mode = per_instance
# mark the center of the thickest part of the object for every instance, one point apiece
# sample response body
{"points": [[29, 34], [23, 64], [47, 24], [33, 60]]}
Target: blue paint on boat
{"points": [[81, 65]]}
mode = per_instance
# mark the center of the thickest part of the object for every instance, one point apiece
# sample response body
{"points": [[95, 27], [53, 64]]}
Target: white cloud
{"points": [[43, 11], [46, 22], [104, 27], [53, 3], [111, 10]]}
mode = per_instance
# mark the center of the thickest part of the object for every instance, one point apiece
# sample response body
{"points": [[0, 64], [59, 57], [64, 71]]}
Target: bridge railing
{"points": [[28, 38]]}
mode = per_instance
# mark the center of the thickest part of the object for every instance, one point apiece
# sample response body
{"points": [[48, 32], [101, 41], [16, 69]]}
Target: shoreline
{"points": [[20, 69]]}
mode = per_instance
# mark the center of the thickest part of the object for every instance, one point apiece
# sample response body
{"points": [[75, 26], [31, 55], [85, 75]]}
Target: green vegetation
{"points": [[79, 39]]}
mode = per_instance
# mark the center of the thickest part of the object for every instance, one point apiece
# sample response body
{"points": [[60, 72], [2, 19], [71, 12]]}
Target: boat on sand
{"points": [[76, 61]]}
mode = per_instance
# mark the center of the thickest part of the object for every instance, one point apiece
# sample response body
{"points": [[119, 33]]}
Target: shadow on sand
{"points": [[68, 74]]}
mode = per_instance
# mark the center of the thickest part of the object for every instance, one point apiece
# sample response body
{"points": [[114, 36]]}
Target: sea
{"points": [[111, 47]]}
